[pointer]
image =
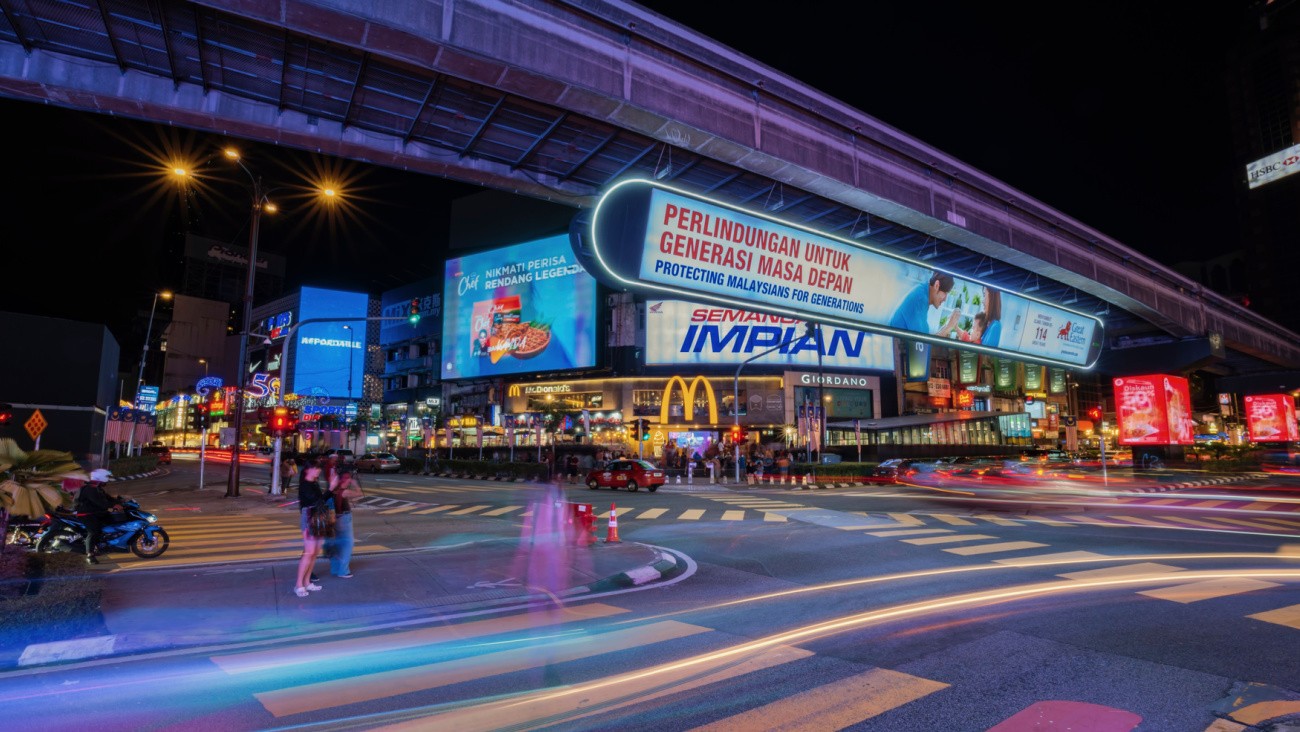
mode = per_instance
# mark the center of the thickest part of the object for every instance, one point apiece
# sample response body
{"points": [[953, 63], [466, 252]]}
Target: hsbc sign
{"points": [[1275, 166]]}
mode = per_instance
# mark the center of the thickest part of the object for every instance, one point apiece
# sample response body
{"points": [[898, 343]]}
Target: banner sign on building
{"points": [[146, 400], [1033, 377], [522, 309], [1271, 418], [662, 241], [1273, 167], [327, 354], [1005, 375], [918, 361], [1056, 381], [968, 367], [1154, 410], [687, 333]]}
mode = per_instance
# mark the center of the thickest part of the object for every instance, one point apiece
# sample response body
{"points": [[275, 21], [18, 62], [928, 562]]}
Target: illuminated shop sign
{"points": [[1154, 410], [1273, 167], [519, 389], [859, 382], [662, 241], [329, 357], [522, 309], [687, 333], [1271, 418]]}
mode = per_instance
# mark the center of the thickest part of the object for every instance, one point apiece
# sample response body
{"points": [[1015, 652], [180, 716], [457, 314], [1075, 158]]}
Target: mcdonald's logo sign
{"points": [[688, 399], [513, 391]]}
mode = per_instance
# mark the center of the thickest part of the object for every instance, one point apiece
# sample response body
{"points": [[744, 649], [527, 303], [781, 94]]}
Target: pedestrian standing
{"points": [[309, 494], [288, 469], [572, 465], [346, 488]]}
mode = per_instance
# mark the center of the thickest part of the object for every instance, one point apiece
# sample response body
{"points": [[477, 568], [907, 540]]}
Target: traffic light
{"points": [[281, 422], [737, 434], [6, 415], [199, 415], [1094, 414], [413, 312]]}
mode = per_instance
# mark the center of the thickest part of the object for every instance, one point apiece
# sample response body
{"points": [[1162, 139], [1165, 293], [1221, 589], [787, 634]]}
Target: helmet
{"points": [[101, 475]]}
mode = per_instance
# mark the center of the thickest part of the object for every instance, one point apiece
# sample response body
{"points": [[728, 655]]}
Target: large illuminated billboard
{"points": [[665, 242], [1154, 410], [521, 309], [689, 333], [327, 355], [1271, 418]]}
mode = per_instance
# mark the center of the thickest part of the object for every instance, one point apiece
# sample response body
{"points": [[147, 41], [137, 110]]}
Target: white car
{"points": [[379, 462], [344, 455]]}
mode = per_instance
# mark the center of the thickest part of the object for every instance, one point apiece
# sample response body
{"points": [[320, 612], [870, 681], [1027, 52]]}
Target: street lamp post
{"points": [[144, 351], [351, 436], [735, 386]]}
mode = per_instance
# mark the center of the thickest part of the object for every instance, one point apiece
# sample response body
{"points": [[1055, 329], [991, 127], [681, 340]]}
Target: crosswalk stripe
{"points": [[434, 510], [1288, 616], [1247, 523], [1207, 589], [369, 687], [733, 515], [908, 532], [1285, 523], [1122, 571], [693, 514], [1047, 521], [635, 687], [769, 516], [951, 539], [1144, 522], [1006, 546], [951, 520], [1193, 522], [401, 509], [906, 519], [651, 513], [501, 511], [1208, 504], [335, 651], [997, 520], [469, 510], [837, 705], [1162, 501], [1259, 506], [1038, 559], [232, 534], [191, 557]]}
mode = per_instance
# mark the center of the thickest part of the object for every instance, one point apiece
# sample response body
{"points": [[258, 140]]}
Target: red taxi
{"points": [[630, 474]]}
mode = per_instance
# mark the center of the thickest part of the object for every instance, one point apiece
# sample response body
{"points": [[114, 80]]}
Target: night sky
{"points": [[1115, 115]]}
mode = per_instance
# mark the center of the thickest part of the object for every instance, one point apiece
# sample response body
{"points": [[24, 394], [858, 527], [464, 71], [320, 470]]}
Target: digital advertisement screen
{"points": [[686, 333], [522, 309], [655, 239], [1271, 418], [327, 354], [1154, 410]]}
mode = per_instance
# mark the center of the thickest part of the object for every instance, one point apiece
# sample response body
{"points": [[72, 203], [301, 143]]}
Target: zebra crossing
{"points": [[740, 508], [211, 539]]}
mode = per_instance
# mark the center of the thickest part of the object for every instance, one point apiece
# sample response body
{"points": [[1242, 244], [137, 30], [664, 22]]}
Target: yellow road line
{"points": [[908, 532], [401, 509], [733, 515], [192, 557], [1006, 546], [471, 509], [906, 519], [354, 689], [952, 520], [1208, 504], [947, 539], [1124, 570], [1288, 616], [1047, 521], [1207, 589], [1288, 523], [1248, 523], [1193, 522], [693, 514], [997, 520], [1162, 501], [501, 511], [651, 513], [434, 510], [1144, 522], [774, 517], [837, 705], [334, 651]]}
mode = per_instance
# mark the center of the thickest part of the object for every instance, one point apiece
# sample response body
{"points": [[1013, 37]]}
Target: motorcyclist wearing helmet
{"points": [[98, 505]]}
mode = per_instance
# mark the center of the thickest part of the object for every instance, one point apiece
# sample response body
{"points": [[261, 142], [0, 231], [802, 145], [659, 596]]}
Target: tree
{"points": [[30, 482]]}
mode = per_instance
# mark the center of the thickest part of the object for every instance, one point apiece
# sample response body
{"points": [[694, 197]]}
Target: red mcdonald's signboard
{"points": [[1271, 418], [1154, 410]]}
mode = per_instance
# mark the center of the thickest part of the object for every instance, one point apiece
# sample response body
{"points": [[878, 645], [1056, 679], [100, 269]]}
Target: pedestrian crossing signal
{"points": [[199, 415], [6, 415], [413, 312], [1094, 414]]}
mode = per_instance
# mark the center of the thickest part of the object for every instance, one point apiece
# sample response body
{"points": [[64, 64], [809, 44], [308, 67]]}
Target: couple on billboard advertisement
{"points": [[950, 308]]}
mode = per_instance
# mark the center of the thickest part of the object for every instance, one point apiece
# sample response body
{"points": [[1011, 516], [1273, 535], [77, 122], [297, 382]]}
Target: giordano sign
{"points": [[801, 378], [688, 399]]}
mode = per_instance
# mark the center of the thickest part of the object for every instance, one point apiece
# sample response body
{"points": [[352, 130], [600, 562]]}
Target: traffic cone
{"points": [[611, 537]]}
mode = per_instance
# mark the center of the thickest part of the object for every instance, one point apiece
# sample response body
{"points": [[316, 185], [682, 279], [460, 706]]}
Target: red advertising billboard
{"points": [[1271, 418], [1154, 410]]}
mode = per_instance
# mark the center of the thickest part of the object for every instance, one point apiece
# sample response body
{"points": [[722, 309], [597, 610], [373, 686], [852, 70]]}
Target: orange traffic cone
{"points": [[611, 537]]}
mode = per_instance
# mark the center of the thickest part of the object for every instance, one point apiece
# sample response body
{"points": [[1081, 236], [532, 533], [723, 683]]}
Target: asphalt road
{"points": [[928, 607]]}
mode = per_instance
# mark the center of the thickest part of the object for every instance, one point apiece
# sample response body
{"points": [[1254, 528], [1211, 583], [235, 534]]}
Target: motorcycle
{"points": [[134, 530]]}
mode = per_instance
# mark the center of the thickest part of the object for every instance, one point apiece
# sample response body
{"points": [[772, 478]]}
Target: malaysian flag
{"points": [[113, 427]]}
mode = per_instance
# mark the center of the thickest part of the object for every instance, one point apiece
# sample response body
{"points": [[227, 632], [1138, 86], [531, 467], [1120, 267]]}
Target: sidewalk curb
{"points": [[666, 567], [137, 476], [1163, 487]]}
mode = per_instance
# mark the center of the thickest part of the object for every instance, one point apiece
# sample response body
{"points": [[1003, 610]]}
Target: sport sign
{"points": [[665, 242]]}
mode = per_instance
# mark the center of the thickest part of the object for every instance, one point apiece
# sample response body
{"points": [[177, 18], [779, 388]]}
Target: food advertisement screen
{"points": [[720, 254], [1154, 410], [687, 333], [1271, 418], [522, 309]]}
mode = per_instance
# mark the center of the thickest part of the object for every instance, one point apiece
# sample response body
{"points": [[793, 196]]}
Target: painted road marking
{"points": [[1288, 616], [401, 509], [651, 513], [1006, 546], [837, 705], [1038, 559], [774, 517], [469, 510], [733, 515], [693, 514], [1144, 522], [369, 687], [998, 520], [952, 520], [908, 532], [1121, 572], [1247, 523], [1208, 504], [434, 510], [947, 539], [1207, 589], [1194, 522], [501, 511], [906, 519], [1259, 506], [1047, 521]]}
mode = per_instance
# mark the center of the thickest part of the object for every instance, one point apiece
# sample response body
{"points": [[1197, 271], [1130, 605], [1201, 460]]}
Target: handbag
{"points": [[321, 518]]}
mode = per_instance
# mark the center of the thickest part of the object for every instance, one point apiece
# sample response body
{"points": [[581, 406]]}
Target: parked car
{"points": [[377, 462], [896, 469], [163, 453], [630, 474], [344, 455]]}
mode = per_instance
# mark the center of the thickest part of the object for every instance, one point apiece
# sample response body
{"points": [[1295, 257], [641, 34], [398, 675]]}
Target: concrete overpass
{"points": [[559, 99]]}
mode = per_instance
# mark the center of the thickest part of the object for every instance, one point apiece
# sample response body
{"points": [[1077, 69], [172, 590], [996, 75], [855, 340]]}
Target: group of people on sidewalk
{"points": [[330, 486]]}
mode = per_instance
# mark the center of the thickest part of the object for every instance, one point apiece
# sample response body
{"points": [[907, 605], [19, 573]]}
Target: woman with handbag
{"points": [[345, 488], [310, 496]]}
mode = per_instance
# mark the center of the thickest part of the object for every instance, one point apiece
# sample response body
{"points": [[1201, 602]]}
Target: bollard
{"points": [[751, 478], [690, 475], [679, 480], [711, 481]]}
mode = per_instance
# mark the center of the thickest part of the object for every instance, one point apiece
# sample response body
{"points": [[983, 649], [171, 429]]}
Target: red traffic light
{"points": [[6, 414], [1094, 413]]}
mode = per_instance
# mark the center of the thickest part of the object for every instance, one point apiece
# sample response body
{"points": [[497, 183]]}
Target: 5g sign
{"points": [[264, 385]]}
